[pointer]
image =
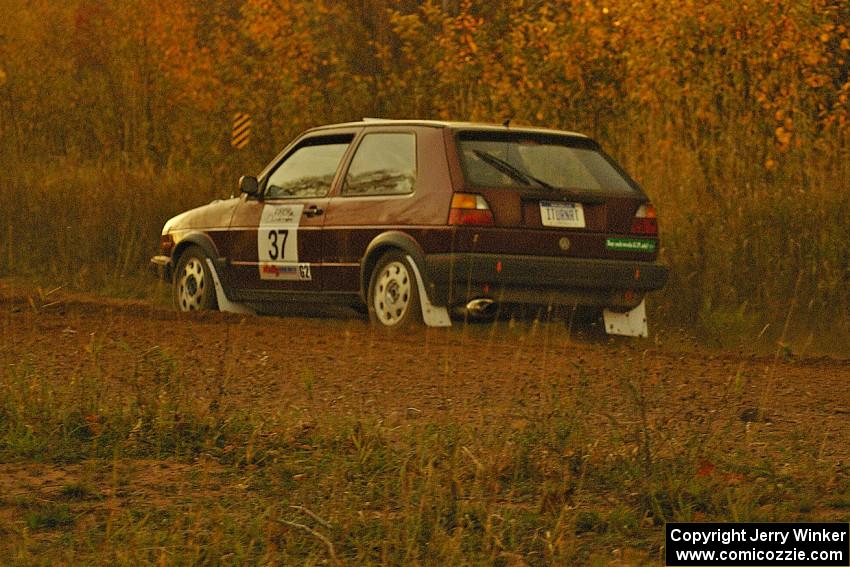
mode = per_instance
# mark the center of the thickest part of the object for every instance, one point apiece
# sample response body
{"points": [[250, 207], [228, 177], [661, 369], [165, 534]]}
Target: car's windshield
{"points": [[523, 160]]}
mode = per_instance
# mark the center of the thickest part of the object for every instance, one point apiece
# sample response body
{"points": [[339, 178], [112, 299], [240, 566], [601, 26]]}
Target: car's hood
{"points": [[212, 215]]}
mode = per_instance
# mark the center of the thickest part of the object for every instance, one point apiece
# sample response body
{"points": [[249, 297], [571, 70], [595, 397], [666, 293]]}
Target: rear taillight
{"points": [[468, 208], [645, 221]]}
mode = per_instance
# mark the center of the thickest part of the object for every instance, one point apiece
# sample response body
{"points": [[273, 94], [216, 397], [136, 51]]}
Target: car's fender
{"points": [[194, 238], [432, 315], [379, 245], [205, 243]]}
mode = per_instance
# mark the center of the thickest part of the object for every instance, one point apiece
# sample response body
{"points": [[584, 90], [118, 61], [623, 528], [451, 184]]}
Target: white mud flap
{"points": [[630, 324], [225, 304], [432, 315]]}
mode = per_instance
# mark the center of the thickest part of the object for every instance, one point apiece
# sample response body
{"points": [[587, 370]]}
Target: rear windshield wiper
{"points": [[511, 171]]}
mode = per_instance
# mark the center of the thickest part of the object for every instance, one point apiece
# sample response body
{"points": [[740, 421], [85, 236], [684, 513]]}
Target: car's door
{"points": [[276, 237], [397, 179]]}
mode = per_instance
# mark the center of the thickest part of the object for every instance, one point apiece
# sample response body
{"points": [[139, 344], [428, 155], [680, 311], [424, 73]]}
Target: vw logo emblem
{"points": [[564, 243]]}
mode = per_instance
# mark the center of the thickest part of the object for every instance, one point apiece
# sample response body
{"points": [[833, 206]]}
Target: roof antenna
{"points": [[507, 123]]}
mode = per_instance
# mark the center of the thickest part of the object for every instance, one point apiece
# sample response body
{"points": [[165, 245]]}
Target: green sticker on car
{"points": [[630, 244]]}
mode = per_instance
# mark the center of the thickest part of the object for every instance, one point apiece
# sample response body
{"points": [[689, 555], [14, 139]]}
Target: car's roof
{"points": [[448, 124]]}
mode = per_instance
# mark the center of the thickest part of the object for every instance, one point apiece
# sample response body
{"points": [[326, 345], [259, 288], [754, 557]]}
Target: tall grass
{"points": [[90, 226], [744, 241]]}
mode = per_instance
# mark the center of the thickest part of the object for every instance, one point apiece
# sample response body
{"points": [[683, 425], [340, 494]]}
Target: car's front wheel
{"points": [[193, 284], [393, 300]]}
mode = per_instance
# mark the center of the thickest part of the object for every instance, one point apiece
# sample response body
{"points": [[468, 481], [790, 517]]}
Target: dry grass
{"points": [[126, 447], [92, 226], [743, 242]]}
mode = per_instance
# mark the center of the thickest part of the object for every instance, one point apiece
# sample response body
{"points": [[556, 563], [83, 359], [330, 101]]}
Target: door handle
{"points": [[313, 211]]}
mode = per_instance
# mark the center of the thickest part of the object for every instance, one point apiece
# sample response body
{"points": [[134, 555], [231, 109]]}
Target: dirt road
{"points": [[481, 373], [768, 429]]}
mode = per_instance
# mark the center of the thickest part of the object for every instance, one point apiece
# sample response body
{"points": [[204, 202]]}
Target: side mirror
{"points": [[249, 184]]}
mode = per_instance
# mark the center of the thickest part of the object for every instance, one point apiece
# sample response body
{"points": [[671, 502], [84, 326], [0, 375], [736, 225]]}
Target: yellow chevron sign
{"points": [[241, 130]]}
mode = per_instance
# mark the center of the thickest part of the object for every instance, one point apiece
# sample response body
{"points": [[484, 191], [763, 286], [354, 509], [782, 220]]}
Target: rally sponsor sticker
{"points": [[630, 244], [277, 244]]}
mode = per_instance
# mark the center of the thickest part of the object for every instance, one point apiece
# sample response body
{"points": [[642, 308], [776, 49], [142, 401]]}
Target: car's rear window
{"points": [[384, 164], [523, 160]]}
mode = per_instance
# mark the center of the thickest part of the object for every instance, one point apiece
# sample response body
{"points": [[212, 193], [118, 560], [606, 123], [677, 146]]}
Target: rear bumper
{"points": [[458, 278], [161, 267]]}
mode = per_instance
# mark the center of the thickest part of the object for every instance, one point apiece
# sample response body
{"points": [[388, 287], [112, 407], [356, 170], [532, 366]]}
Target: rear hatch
{"points": [[549, 195]]}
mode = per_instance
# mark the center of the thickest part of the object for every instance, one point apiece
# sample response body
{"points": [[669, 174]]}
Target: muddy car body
{"points": [[414, 218]]}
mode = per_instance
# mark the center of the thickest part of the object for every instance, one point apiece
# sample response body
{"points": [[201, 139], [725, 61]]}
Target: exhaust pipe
{"points": [[481, 306]]}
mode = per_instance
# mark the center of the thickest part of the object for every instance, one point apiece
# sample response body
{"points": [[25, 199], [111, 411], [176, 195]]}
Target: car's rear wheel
{"points": [[193, 284], [393, 299]]}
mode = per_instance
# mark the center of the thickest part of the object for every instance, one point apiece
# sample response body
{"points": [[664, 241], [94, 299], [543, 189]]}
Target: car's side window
{"points": [[309, 171], [384, 164]]}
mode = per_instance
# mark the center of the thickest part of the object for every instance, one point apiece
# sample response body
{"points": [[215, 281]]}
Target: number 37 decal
{"points": [[277, 244], [276, 250]]}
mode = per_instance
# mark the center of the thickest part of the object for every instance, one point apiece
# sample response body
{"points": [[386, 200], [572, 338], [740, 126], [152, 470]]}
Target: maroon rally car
{"points": [[415, 219]]}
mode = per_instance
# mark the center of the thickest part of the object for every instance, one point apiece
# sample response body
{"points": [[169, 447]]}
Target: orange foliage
{"points": [[690, 68]]}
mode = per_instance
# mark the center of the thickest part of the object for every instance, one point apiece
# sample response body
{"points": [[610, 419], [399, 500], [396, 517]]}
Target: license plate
{"points": [[558, 213]]}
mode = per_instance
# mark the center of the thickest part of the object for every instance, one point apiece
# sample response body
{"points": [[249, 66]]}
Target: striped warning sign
{"points": [[241, 130]]}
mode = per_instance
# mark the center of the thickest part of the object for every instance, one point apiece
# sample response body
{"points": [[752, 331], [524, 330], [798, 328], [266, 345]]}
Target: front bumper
{"points": [[162, 267], [541, 280]]}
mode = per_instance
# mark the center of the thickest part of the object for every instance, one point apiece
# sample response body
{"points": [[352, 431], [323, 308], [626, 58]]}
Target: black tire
{"points": [[393, 298], [193, 288]]}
